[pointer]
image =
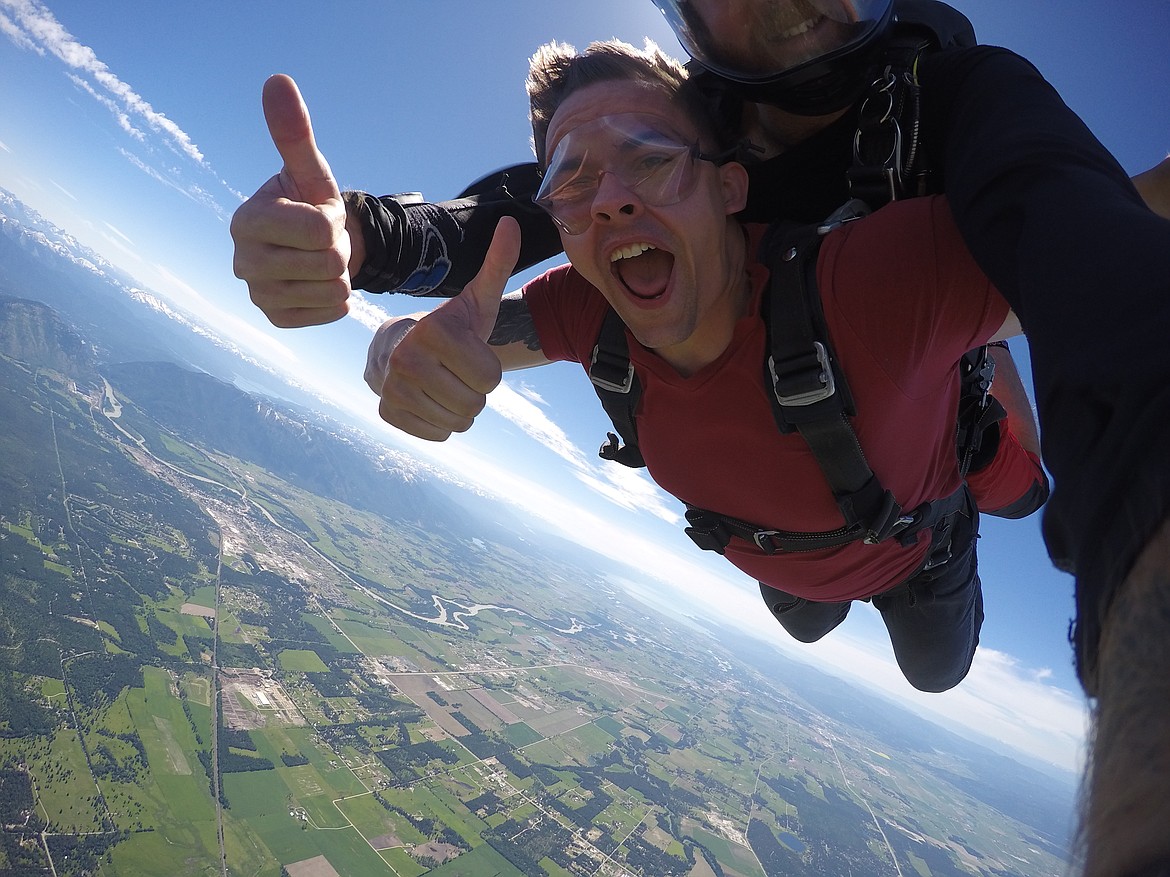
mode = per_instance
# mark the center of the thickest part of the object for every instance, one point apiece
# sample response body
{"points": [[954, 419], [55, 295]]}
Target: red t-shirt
{"points": [[903, 301]]}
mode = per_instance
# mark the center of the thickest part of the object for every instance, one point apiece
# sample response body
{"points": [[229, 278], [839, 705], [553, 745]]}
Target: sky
{"points": [[137, 127]]}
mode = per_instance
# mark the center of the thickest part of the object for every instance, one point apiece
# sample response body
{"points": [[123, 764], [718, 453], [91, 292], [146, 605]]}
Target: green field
{"points": [[304, 660]]}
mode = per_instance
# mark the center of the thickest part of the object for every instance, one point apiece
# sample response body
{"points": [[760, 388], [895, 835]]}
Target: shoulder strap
{"points": [[809, 390], [619, 390]]}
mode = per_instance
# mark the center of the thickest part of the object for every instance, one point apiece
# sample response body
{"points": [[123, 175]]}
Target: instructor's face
{"points": [[764, 37]]}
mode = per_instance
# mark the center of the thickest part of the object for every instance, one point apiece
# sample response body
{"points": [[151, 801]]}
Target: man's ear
{"points": [[735, 186]]}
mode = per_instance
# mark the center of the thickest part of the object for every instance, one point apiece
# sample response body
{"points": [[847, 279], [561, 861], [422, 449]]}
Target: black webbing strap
{"points": [[619, 390], [712, 531], [810, 393]]}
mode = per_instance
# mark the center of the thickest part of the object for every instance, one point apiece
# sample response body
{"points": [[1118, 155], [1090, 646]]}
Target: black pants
{"points": [[933, 618]]}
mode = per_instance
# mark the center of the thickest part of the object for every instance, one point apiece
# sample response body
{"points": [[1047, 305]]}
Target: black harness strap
{"points": [[619, 390], [810, 394]]}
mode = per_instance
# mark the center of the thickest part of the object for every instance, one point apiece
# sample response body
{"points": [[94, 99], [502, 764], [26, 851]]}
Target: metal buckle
{"points": [[612, 386], [809, 397], [759, 538], [897, 527]]}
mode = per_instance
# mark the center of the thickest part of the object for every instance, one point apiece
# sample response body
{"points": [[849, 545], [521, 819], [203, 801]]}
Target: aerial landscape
{"points": [[236, 636]]}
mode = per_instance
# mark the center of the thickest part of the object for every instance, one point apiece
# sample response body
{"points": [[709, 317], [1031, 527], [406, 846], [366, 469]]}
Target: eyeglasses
{"points": [[647, 159]]}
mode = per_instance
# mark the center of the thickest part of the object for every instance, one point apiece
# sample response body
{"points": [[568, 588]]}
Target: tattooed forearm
{"points": [[514, 324]]}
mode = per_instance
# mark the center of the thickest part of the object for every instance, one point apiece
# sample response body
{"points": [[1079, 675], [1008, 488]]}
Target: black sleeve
{"points": [[1058, 226], [435, 249]]}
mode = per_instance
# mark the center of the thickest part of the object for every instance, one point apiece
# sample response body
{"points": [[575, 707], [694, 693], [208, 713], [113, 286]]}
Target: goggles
{"points": [[755, 41], [646, 157]]}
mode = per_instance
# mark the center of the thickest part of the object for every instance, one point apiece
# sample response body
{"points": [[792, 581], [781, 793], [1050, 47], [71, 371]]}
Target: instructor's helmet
{"points": [[810, 57]]}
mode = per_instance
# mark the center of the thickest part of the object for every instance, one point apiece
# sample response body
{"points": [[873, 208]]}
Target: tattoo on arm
{"points": [[514, 324]]}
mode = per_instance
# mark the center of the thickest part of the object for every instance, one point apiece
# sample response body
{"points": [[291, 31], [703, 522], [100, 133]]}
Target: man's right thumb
{"points": [[306, 175]]}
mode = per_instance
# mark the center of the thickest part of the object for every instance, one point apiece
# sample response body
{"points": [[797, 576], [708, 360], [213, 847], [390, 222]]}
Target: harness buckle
{"points": [[828, 386], [763, 540], [873, 537], [609, 375]]}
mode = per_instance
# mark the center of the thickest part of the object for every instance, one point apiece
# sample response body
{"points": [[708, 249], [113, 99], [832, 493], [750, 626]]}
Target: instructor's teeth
{"points": [[803, 27], [629, 251]]}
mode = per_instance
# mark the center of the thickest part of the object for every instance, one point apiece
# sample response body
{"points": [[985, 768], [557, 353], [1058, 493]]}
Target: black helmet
{"points": [[806, 56]]}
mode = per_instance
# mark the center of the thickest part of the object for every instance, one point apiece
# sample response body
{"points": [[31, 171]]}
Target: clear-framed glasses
{"points": [[640, 150]]}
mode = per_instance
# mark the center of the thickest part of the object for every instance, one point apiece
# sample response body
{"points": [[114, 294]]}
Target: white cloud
{"points": [[4, 146], [18, 37], [531, 394], [64, 190], [366, 312], [33, 26], [41, 28], [118, 232], [1000, 699], [535, 423], [122, 118], [631, 489]]}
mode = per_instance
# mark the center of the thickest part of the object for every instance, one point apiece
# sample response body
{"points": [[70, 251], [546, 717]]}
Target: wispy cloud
{"points": [[64, 190], [631, 489], [30, 25], [366, 312], [18, 37], [1001, 699], [121, 117], [118, 232]]}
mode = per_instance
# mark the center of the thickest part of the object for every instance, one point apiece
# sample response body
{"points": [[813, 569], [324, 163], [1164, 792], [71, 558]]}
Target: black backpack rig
{"points": [[811, 396]]}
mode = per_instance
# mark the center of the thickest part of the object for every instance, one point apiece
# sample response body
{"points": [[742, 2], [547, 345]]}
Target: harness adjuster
{"points": [[888, 520], [707, 531], [873, 537], [823, 376], [610, 373]]}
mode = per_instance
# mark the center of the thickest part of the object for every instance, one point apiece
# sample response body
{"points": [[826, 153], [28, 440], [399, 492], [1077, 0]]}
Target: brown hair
{"points": [[557, 70]]}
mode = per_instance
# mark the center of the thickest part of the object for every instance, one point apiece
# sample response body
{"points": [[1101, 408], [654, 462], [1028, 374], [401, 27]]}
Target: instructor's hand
{"points": [[292, 247], [439, 370]]}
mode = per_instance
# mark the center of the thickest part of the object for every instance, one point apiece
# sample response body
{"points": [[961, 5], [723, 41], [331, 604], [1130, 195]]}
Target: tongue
{"points": [[646, 275]]}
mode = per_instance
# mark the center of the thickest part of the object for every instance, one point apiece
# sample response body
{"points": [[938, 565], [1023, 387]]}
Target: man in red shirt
{"points": [[648, 221]]}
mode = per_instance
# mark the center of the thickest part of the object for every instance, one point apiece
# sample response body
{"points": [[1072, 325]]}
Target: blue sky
{"points": [[140, 132]]}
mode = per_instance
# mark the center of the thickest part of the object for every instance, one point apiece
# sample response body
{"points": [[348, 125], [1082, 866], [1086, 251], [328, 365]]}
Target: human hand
{"points": [[440, 369], [292, 247]]}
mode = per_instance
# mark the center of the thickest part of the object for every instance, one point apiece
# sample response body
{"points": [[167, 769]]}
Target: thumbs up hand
{"points": [[434, 371], [291, 243]]}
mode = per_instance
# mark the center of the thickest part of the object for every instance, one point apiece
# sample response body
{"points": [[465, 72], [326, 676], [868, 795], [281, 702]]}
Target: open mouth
{"points": [[644, 270], [809, 17], [802, 28]]}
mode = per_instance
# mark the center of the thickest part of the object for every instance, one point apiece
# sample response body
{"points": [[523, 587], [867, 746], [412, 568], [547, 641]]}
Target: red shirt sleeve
{"points": [[567, 313]]}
